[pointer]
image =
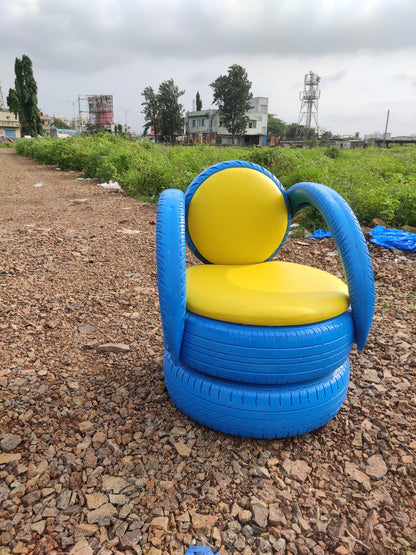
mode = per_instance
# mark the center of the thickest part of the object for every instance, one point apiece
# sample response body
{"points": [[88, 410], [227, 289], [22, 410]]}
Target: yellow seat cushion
{"points": [[237, 216], [267, 294]]}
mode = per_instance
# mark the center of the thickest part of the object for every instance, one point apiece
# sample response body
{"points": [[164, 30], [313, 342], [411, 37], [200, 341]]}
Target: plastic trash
{"points": [[38, 185], [320, 234], [110, 185], [128, 231], [393, 238], [199, 550]]}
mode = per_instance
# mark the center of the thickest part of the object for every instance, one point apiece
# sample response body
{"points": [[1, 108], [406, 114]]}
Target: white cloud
{"points": [[364, 50]]}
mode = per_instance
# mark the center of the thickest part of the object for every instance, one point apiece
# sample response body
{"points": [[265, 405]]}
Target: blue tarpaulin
{"points": [[320, 234], [389, 238], [393, 238], [199, 550]]}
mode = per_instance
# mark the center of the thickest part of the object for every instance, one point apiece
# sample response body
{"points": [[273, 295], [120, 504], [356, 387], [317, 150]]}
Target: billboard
{"points": [[100, 108]]}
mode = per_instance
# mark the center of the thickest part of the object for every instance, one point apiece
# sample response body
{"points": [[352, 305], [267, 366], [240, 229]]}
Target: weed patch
{"points": [[376, 183]]}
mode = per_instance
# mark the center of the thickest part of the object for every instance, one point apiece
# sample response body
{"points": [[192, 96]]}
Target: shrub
{"points": [[375, 182], [333, 151]]}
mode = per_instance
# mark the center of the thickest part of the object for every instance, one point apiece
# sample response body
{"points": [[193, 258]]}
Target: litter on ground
{"points": [[110, 185], [128, 231]]}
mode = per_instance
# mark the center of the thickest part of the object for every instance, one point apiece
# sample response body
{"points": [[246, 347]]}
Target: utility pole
{"points": [[385, 130], [2, 105], [73, 113], [125, 126]]}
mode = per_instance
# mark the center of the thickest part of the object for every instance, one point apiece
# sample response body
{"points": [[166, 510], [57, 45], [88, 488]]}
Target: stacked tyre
{"points": [[261, 382], [250, 381]]}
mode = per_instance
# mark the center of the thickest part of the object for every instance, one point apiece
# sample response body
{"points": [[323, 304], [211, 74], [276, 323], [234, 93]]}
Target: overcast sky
{"points": [[363, 50]]}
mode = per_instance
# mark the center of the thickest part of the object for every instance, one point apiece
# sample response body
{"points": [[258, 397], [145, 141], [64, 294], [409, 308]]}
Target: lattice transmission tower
{"points": [[309, 102]]}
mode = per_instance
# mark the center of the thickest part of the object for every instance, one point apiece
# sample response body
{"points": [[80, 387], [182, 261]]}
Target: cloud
{"points": [[358, 47], [98, 34], [335, 77], [406, 78]]}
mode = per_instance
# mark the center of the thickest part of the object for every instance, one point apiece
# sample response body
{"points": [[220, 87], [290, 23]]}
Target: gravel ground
{"points": [[95, 458]]}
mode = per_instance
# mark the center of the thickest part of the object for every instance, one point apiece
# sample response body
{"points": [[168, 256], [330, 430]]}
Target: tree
{"points": [[275, 126], [57, 122], [151, 111], [303, 134], [198, 102], [293, 131], [232, 96], [23, 100], [170, 110], [163, 112], [325, 139]]}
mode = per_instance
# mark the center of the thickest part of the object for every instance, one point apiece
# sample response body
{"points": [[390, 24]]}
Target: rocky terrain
{"points": [[94, 456]]}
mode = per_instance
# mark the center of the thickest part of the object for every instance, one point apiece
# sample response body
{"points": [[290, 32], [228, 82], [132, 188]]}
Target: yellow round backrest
{"points": [[237, 215]]}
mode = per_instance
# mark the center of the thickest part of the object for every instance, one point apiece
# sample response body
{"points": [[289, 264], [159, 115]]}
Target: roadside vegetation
{"points": [[377, 183]]}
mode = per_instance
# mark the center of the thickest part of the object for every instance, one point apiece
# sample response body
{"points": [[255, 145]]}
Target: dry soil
{"points": [[95, 458]]}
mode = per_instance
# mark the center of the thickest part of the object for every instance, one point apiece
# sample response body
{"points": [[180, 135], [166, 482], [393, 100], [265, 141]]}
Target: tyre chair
{"points": [[253, 346]]}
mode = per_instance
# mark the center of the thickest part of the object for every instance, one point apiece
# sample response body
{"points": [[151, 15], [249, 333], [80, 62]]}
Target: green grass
{"points": [[377, 183]]}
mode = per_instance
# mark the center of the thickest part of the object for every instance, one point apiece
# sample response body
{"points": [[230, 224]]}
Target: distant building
{"points": [[207, 126], [44, 118], [10, 127], [62, 118], [347, 143], [377, 135]]}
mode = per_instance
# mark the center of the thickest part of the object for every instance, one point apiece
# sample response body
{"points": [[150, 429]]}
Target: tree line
{"points": [[164, 113], [162, 110], [232, 94]]}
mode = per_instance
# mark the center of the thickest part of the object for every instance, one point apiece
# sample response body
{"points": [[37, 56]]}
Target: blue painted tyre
{"points": [[255, 410], [266, 355], [171, 267], [190, 191], [350, 243]]}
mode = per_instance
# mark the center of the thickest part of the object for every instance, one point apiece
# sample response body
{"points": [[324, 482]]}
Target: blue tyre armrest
{"points": [[171, 267], [351, 245]]}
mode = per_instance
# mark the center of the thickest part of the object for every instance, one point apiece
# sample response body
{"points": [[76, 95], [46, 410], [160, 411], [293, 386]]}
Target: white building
{"points": [[207, 126], [9, 126]]}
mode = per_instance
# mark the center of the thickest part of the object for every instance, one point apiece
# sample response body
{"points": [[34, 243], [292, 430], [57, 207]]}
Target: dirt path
{"points": [[94, 457]]}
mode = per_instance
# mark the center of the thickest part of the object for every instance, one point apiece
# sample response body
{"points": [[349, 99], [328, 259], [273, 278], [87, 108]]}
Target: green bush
{"points": [[375, 182], [333, 151]]}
